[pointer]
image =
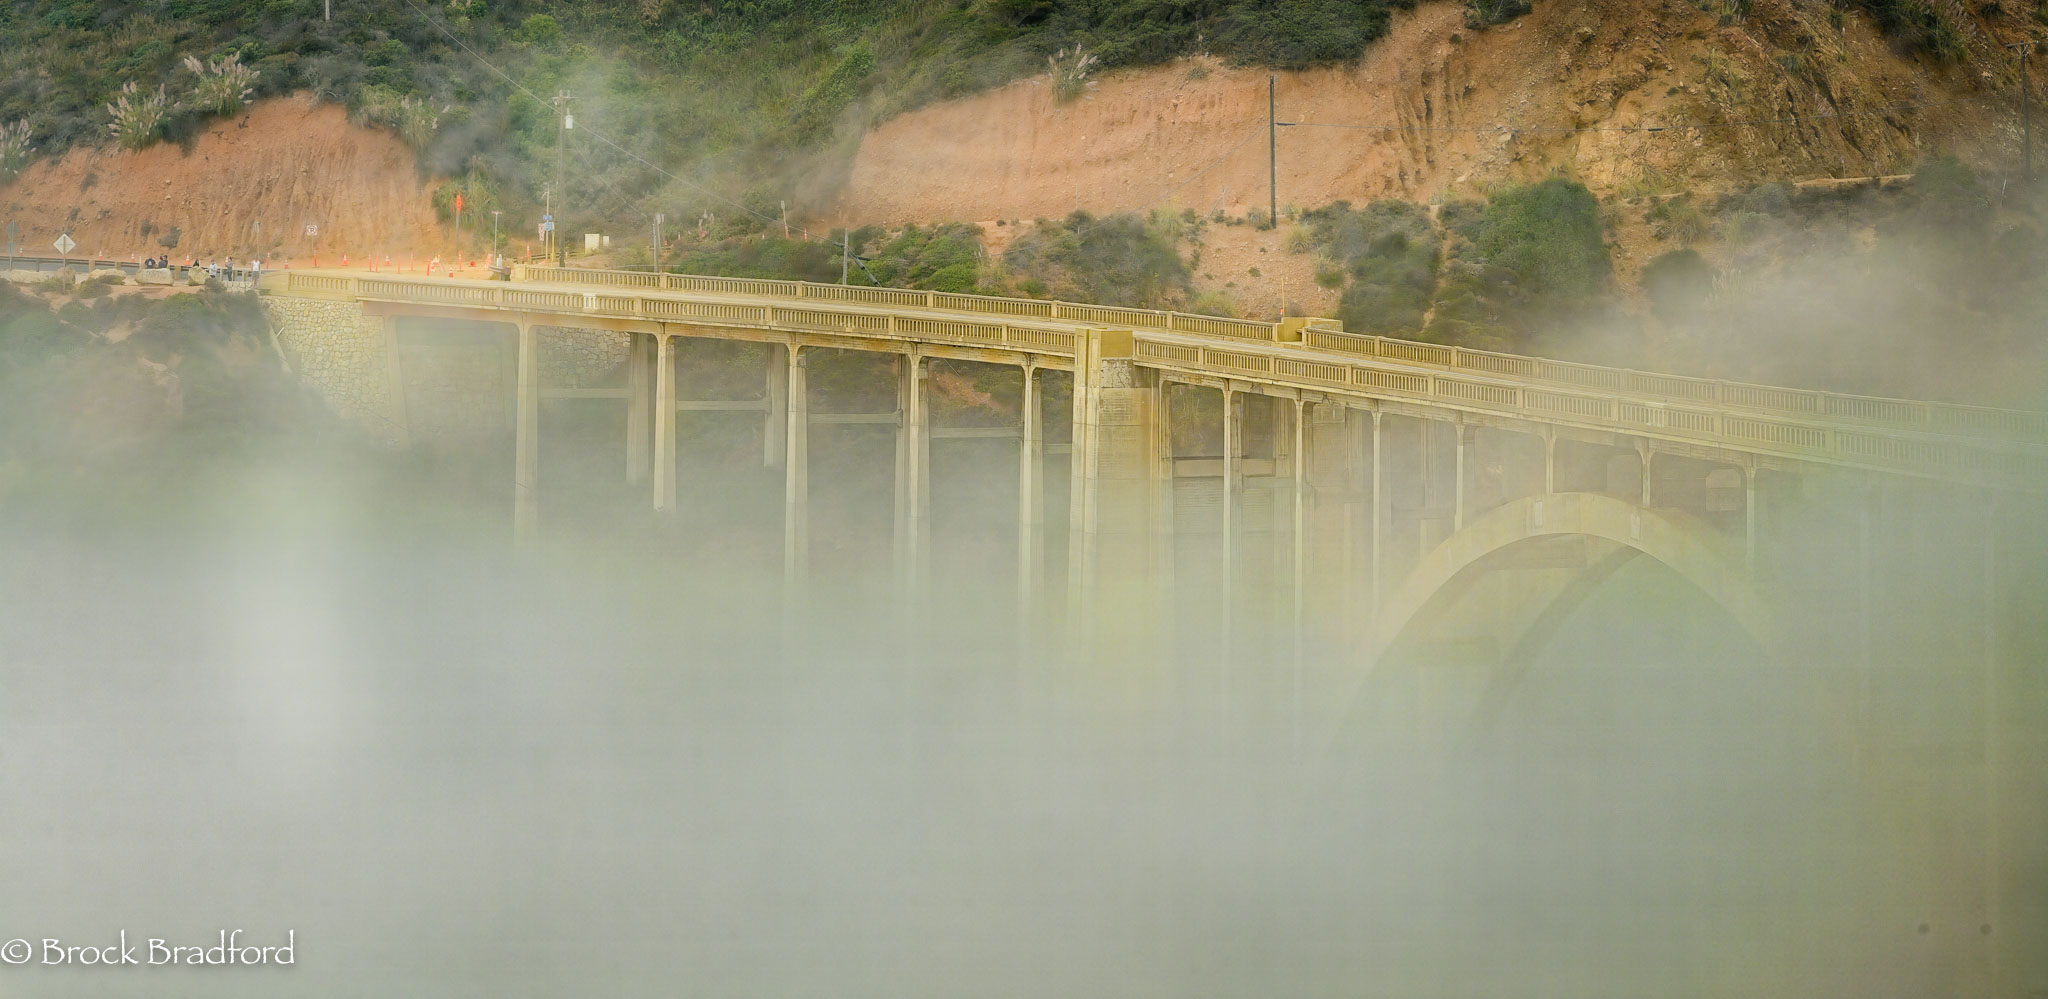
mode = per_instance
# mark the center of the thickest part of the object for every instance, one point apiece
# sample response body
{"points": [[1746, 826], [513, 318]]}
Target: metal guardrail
{"points": [[1325, 334], [1429, 373], [234, 279], [82, 264]]}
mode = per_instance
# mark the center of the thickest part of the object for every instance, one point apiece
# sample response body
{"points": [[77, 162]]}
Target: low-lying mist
{"points": [[290, 683]]}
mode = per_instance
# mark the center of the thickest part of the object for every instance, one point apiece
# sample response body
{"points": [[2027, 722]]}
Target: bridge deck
{"points": [[1958, 443]]}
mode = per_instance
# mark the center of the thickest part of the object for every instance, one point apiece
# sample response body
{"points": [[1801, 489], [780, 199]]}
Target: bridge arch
{"points": [[1689, 547]]}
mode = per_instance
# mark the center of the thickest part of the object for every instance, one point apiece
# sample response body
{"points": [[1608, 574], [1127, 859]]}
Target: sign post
{"points": [[64, 246]]}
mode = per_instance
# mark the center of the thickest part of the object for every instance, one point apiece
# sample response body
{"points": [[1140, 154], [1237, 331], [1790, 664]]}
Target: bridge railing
{"points": [[1903, 414], [2001, 463], [1326, 334], [993, 305], [427, 291], [1671, 406]]}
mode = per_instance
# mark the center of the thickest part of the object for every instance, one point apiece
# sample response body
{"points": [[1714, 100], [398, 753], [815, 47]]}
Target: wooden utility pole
{"points": [[1272, 160], [564, 121]]}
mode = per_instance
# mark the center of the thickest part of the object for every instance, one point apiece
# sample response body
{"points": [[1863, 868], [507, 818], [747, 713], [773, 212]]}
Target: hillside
{"points": [[1604, 179], [1465, 111], [248, 185]]}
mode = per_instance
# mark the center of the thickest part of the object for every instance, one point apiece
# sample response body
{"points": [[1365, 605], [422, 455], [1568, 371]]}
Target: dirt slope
{"points": [[1452, 99], [1566, 88], [282, 164]]}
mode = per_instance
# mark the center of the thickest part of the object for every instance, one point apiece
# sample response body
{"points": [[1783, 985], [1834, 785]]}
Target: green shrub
{"points": [[1529, 263], [1213, 303], [539, 29], [825, 101], [1919, 25], [1387, 251], [1548, 234], [1117, 260], [1483, 13]]}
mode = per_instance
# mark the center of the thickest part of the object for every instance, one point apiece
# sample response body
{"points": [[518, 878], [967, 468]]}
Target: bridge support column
{"points": [[775, 422], [913, 485], [526, 443], [1281, 511], [1352, 534], [665, 423], [796, 494], [1376, 508], [1458, 491], [1549, 461], [1160, 467], [1994, 874], [1233, 498], [1643, 456], [1117, 467], [1030, 502], [638, 364], [1749, 519], [1298, 585]]}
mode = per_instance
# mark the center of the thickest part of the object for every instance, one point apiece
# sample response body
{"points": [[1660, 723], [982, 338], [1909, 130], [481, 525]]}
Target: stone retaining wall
{"points": [[458, 382], [451, 382], [580, 358], [344, 356]]}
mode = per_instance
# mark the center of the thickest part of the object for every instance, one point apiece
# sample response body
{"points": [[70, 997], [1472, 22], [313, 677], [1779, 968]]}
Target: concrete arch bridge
{"points": [[1346, 478], [1282, 492]]}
